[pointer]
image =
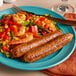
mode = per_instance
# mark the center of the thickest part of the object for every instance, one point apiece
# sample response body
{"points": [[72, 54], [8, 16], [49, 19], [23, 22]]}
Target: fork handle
{"points": [[67, 22]]}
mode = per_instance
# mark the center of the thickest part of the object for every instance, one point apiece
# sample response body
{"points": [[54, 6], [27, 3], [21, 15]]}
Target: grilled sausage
{"points": [[48, 48], [23, 48]]}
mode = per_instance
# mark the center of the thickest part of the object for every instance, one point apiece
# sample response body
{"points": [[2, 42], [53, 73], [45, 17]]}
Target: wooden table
{"points": [[7, 71]]}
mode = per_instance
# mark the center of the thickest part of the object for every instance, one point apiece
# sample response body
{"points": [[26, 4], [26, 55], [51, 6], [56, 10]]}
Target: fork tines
{"points": [[17, 9]]}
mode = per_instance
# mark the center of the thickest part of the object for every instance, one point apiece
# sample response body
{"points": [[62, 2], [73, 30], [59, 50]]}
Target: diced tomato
{"points": [[6, 21], [47, 26], [34, 29], [2, 21], [10, 22], [38, 22], [15, 23], [14, 28], [30, 14], [42, 19], [35, 35], [28, 17], [43, 32], [5, 48], [5, 38], [2, 34], [18, 25], [7, 30]]}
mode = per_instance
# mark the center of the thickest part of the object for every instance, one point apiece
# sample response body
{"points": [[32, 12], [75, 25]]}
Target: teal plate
{"points": [[49, 61]]}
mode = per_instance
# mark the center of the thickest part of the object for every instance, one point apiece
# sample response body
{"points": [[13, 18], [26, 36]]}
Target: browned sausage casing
{"points": [[23, 48], [48, 48]]}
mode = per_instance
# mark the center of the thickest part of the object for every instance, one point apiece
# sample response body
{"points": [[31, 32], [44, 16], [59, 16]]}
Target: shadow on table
{"points": [[7, 71]]}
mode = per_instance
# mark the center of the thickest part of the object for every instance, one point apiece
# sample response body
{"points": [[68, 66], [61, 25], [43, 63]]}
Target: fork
{"points": [[16, 9]]}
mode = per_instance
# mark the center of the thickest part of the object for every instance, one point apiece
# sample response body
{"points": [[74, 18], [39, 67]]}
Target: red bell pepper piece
{"points": [[28, 17], [18, 25], [10, 22], [42, 19], [35, 35], [34, 30], [7, 29], [3, 20], [47, 26], [43, 32], [2, 34], [5, 48], [38, 22], [14, 28], [5, 38]]}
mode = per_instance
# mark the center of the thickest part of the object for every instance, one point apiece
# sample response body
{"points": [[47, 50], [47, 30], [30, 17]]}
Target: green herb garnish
{"points": [[43, 28], [12, 34], [32, 19], [4, 52], [27, 14]]}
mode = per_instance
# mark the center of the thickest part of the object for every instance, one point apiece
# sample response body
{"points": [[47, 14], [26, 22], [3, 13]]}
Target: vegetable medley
{"points": [[16, 28]]}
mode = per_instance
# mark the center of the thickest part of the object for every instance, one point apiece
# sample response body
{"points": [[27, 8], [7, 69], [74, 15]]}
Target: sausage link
{"points": [[23, 48], [48, 48]]}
